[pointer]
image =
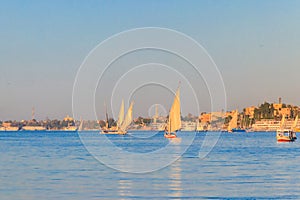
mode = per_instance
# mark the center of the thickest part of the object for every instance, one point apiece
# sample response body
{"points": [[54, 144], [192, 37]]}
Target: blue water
{"points": [[49, 165]]}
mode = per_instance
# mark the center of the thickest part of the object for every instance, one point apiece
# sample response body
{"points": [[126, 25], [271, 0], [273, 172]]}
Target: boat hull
{"points": [[203, 131], [238, 131], [9, 129], [33, 128], [113, 132], [170, 135], [70, 128], [285, 140]]}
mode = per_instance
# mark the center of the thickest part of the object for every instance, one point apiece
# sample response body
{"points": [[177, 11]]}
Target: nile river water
{"points": [[56, 165]]}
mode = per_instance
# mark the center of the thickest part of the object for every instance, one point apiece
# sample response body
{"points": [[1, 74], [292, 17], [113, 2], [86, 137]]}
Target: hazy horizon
{"points": [[255, 45]]}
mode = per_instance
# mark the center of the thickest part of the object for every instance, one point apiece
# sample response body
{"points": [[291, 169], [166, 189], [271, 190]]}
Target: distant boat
{"points": [[70, 128], [33, 128], [238, 130], [122, 123], [286, 135], [9, 128], [233, 127], [71, 124], [174, 120]]}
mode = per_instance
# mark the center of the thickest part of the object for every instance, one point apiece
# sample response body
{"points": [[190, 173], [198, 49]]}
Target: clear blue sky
{"points": [[255, 44]]}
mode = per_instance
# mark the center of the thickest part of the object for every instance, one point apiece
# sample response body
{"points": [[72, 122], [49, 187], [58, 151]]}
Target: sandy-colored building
{"points": [[230, 113], [6, 124], [285, 111], [208, 117], [250, 111], [277, 106], [279, 110], [217, 115], [205, 117]]}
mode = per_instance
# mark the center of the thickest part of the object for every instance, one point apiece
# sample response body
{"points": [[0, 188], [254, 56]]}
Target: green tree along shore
{"points": [[266, 111], [263, 111], [48, 124]]}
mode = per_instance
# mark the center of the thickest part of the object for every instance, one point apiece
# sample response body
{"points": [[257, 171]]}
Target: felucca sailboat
{"points": [[233, 126], [80, 128], [174, 120], [122, 124]]}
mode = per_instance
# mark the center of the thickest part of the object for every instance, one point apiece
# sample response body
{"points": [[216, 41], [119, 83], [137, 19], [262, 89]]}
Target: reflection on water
{"points": [[55, 165], [124, 188], [124, 184], [175, 180]]}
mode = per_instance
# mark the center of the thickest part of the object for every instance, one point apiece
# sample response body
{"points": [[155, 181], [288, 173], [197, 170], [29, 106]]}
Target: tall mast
{"points": [[107, 125], [170, 126], [32, 113], [156, 114]]}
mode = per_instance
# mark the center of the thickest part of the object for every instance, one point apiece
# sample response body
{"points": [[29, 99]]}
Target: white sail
{"points": [[282, 121], [80, 128], [295, 123], [128, 119], [233, 121], [174, 121], [121, 115]]}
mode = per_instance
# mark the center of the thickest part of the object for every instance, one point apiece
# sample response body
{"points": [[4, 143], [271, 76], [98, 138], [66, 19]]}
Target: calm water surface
{"points": [[48, 165]]}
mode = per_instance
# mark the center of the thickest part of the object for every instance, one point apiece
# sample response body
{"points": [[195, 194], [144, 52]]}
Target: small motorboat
{"points": [[285, 135], [170, 135]]}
